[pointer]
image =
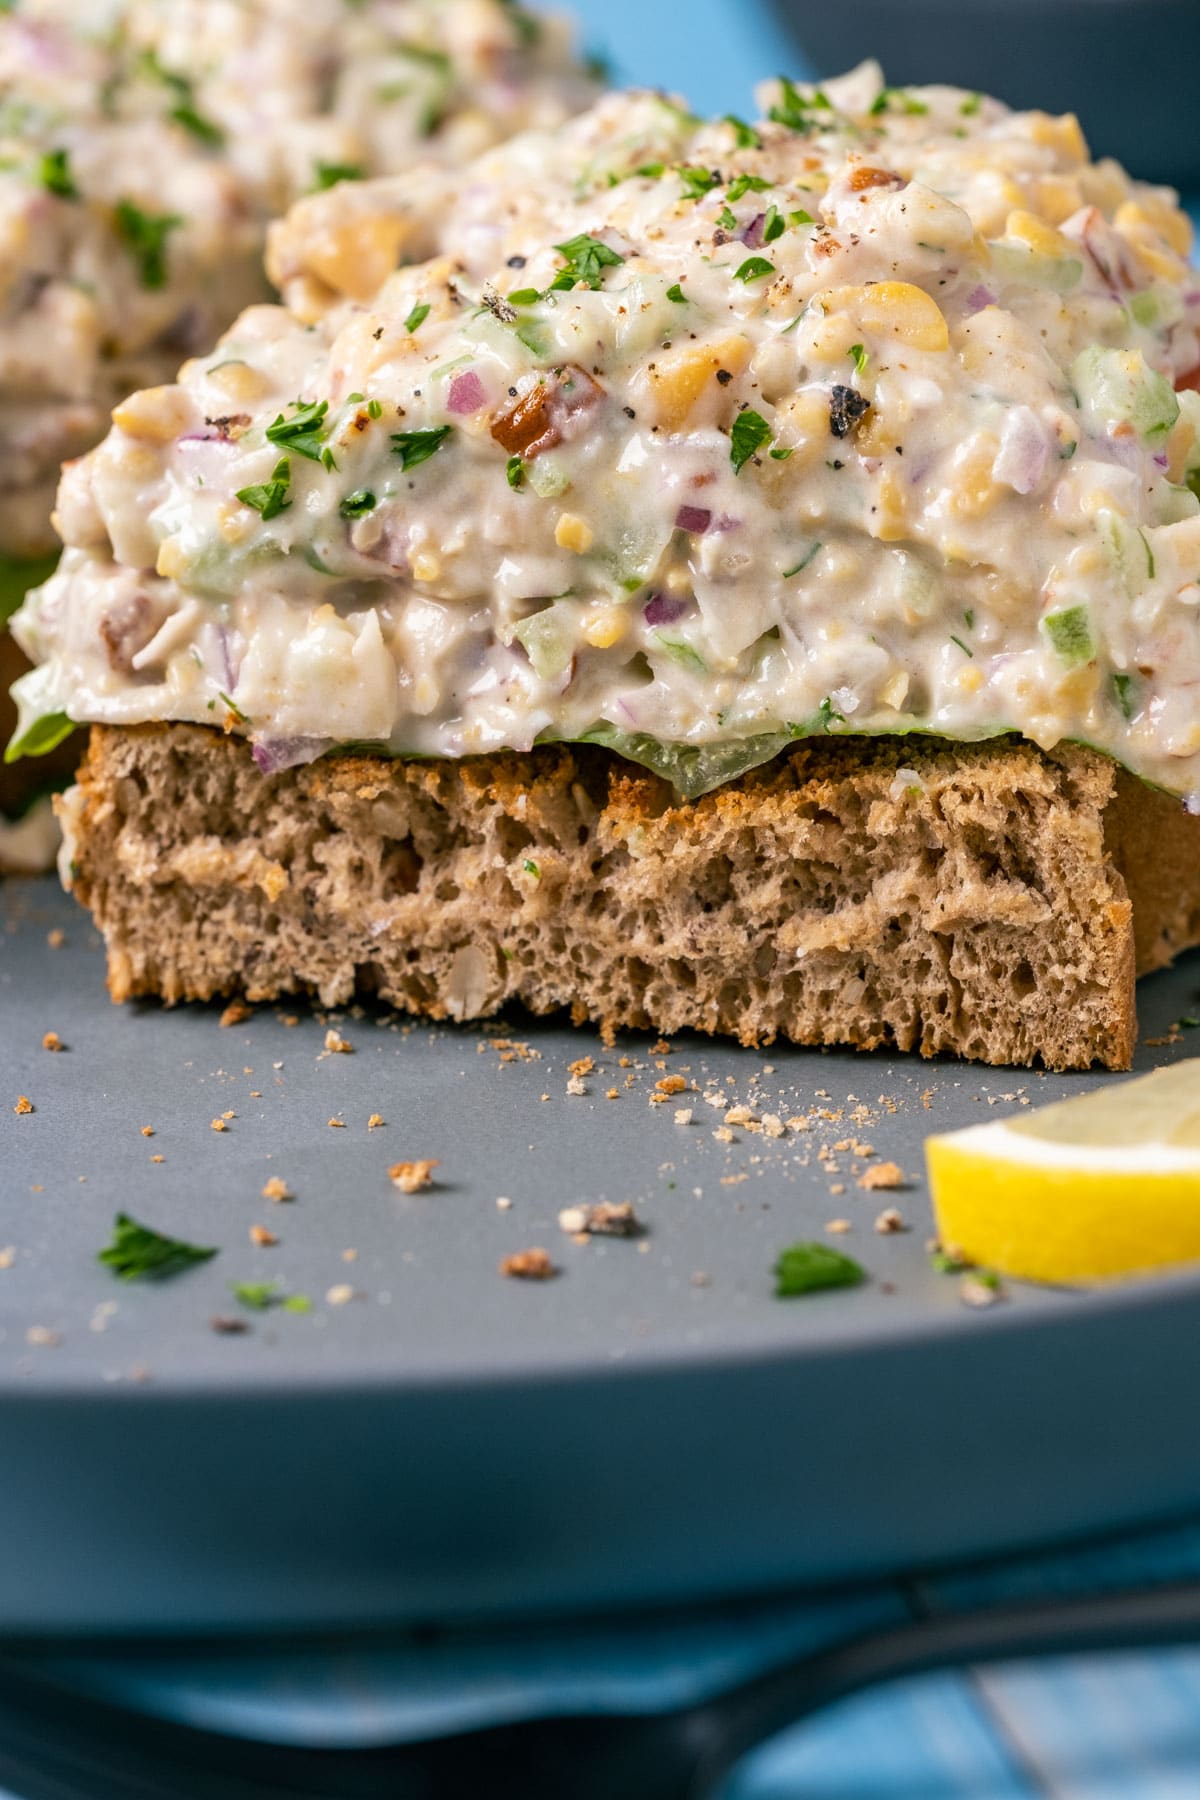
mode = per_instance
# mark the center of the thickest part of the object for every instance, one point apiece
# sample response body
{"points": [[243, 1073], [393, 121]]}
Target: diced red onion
{"points": [[1162, 459], [752, 237], [275, 754], [466, 394], [661, 609], [696, 519], [978, 298]]}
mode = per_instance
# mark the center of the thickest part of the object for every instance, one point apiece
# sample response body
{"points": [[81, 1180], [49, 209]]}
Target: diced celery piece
{"points": [[1070, 632], [547, 477], [1118, 386], [550, 638], [1014, 262]]}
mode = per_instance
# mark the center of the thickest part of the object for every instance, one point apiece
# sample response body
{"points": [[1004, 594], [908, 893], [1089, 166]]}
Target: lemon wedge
{"points": [[1085, 1190]]}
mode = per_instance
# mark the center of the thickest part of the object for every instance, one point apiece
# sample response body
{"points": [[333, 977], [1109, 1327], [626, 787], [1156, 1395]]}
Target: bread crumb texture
{"points": [[998, 910]]}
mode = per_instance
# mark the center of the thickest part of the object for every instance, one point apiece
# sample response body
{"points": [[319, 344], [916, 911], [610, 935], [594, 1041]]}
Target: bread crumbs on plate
{"points": [[528, 1265], [375, 1121], [606, 1218], [261, 1238], [413, 1177], [24, 1104], [236, 1013], [218, 1125], [341, 1294], [889, 1222], [8, 1256], [276, 1189], [147, 1131], [882, 1175], [337, 1045], [53, 1042], [56, 938]]}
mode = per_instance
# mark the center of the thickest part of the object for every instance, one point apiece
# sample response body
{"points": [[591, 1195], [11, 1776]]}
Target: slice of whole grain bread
{"points": [[987, 900]]}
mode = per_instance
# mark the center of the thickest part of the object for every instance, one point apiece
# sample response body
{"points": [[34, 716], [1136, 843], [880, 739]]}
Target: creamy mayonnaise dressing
{"points": [[690, 438], [144, 145]]}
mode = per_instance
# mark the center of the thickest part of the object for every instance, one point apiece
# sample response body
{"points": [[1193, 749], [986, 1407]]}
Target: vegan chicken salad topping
{"points": [[685, 438], [144, 144]]}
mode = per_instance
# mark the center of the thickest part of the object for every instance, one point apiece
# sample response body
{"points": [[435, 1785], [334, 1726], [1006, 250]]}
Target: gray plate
{"points": [[650, 1426]]}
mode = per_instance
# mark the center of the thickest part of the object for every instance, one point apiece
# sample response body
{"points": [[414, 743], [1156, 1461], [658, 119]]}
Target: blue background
{"points": [[711, 51]]}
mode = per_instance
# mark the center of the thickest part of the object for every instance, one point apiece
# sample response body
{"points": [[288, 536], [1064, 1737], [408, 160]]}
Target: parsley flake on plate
{"points": [[812, 1268], [138, 1253]]}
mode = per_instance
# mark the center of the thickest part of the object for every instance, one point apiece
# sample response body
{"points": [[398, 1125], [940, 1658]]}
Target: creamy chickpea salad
{"points": [[687, 438], [144, 144]]}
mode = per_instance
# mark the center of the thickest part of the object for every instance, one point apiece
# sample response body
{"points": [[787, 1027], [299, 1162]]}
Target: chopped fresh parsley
{"points": [[802, 564], [260, 1296], [773, 225], [40, 738], [330, 174], [205, 130], [416, 447], [358, 505], [586, 259], [828, 715], [515, 471], [270, 498], [727, 219], [145, 236], [137, 1253], [531, 868], [963, 647], [753, 269], [54, 173], [523, 297], [750, 434], [184, 112], [811, 1268], [698, 182], [746, 184], [793, 109], [800, 217], [745, 135], [859, 357], [971, 105], [904, 102], [231, 706], [677, 294], [304, 432], [1149, 553], [1123, 693], [374, 409]]}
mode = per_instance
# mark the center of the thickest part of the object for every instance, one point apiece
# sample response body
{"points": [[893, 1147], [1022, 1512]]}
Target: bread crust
{"points": [[991, 901]]}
